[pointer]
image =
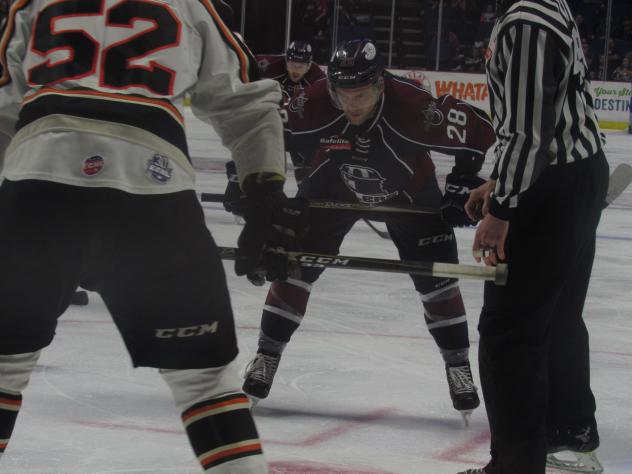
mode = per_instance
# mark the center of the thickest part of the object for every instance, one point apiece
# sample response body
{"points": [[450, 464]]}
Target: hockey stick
{"points": [[496, 274], [353, 207], [620, 179], [381, 233]]}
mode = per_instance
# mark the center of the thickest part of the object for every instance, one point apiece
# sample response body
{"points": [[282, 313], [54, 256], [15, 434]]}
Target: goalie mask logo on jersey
{"points": [[158, 168], [366, 183]]}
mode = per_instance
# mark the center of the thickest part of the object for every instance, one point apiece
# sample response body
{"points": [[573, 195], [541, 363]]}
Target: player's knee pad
{"points": [[16, 370], [444, 306], [191, 386]]}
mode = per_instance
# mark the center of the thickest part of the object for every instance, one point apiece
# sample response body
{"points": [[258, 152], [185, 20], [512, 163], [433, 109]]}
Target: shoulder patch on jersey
{"points": [[263, 64], [432, 116]]}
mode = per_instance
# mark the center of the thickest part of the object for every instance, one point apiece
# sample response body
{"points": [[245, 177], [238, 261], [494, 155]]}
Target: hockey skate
{"points": [[573, 461], [462, 389], [573, 450], [259, 375]]}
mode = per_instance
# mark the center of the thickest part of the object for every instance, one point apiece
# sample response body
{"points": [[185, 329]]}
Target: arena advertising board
{"points": [[612, 99]]}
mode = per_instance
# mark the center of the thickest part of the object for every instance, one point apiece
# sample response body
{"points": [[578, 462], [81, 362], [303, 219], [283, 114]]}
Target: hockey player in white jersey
{"points": [[98, 186]]}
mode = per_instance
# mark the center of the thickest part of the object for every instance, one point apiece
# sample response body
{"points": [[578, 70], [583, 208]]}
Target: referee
{"points": [[541, 208]]}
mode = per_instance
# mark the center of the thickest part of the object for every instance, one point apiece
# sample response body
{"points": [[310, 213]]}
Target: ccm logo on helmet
{"points": [[190, 331]]}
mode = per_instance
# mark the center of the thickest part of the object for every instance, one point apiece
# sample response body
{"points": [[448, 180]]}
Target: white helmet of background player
{"points": [[355, 77], [298, 59]]}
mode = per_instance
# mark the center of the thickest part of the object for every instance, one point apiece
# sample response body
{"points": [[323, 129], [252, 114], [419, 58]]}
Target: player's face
{"points": [[296, 71], [358, 104]]}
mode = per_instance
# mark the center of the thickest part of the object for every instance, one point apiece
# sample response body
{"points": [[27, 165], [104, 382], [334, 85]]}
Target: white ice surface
{"points": [[361, 387]]}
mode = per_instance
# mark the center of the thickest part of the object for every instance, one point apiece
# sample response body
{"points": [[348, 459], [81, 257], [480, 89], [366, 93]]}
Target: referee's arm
{"points": [[531, 71]]}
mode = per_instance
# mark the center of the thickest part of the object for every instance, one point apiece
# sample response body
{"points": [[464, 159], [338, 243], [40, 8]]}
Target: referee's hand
{"points": [[490, 235], [477, 206]]}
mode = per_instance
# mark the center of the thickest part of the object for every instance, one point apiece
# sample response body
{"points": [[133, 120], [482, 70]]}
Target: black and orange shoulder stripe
{"points": [[7, 35], [233, 43]]}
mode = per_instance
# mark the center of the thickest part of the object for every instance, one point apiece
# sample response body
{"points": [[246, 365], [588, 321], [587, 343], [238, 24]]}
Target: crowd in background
{"points": [[466, 27], [465, 30]]}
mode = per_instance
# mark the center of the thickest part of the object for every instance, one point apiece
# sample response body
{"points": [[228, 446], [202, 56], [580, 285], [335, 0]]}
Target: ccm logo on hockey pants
{"points": [[435, 239]]}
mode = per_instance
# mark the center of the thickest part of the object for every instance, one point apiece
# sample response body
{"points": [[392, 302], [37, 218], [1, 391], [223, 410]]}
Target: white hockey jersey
{"points": [[91, 93]]}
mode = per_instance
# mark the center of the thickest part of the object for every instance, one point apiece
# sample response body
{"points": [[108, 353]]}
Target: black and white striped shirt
{"points": [[541, 98]]}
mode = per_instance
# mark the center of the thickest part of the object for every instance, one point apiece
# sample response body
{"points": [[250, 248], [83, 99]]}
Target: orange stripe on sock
{"points": [[235, 401], [7, 401], [230, 452]]}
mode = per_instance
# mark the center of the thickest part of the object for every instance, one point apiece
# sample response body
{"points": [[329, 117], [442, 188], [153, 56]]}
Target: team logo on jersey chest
{"points": [[158, 168], [93, 165], [366, 183]]}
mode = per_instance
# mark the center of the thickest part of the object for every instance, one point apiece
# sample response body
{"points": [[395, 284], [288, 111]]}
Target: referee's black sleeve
{"points": [[524, 100]]}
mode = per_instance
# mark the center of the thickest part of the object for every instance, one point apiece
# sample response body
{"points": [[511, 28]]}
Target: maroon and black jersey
{"points": [[389, 155], [273, 67]]}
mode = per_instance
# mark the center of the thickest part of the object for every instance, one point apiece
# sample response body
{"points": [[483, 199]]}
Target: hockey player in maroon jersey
{"points": [[293, 71], [367, 136]]}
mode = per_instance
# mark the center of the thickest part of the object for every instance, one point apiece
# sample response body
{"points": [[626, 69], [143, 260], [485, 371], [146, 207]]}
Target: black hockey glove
{"points": [[457, 192], [234, 198], [274, 224]]}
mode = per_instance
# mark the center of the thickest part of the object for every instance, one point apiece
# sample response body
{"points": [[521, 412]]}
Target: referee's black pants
{"points": [[533, 353]]}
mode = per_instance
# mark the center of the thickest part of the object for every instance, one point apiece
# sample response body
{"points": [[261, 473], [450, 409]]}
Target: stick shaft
{"points": [[435, 269], [353, 207]]}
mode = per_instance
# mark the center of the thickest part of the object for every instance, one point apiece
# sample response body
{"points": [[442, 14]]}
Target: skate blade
{"points": [[253, 401], [466, 414], [571, 461]]}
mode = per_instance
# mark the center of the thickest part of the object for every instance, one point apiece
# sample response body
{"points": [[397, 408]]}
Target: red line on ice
{"points": [[336, 431], [296, 468], [456, 453], [308, 441]]}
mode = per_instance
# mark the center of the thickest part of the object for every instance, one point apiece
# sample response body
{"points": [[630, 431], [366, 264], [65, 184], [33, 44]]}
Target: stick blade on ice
{"points": [[619, 180]]}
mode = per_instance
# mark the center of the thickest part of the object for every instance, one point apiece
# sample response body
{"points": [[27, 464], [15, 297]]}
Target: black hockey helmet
{"points": [[355, 63], [299, 52]]}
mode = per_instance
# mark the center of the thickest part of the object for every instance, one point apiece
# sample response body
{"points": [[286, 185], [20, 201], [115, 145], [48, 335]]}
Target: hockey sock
{"points": [[269, 345], [16, 370], [9, 407], [284, 309], [444, 312], [455, 356], [217, 419], [221, 430]]}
